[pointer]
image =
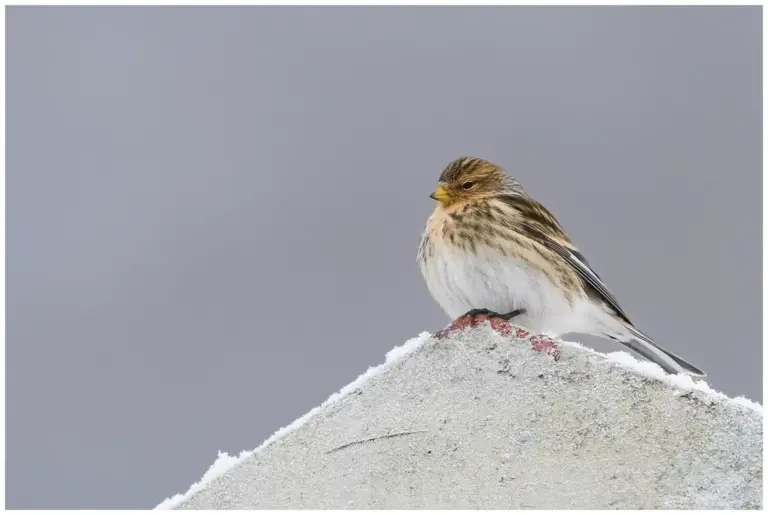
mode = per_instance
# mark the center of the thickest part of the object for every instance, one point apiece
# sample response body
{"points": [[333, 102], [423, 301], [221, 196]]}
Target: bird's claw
{"points": [[492, 314], [475, 317], [500, 324]]}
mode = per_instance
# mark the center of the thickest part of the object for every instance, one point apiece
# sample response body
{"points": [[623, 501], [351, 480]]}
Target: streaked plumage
{"points": [[490, 245]]}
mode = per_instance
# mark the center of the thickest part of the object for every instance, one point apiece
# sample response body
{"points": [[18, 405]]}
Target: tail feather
{"points": [[650, 350]]}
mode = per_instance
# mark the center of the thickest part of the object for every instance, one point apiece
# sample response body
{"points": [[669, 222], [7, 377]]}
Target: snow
{"points": [[225, 462], [679, 381]]}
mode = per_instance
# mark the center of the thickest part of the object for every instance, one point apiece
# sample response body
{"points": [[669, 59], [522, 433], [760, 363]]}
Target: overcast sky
{"points": [[213, 213]]}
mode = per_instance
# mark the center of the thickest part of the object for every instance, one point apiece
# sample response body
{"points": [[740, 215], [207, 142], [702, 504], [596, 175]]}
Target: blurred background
{"points": [[213, 213]]}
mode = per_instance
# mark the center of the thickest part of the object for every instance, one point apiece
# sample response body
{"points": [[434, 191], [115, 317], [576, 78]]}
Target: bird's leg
{"points": [[473, 313], [474, 317], [500, 323]]}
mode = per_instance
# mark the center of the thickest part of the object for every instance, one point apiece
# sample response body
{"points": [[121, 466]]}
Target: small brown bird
{"points": [[490, 248]]}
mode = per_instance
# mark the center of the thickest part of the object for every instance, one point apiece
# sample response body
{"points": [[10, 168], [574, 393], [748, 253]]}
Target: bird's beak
{"points": [[440, 194]]}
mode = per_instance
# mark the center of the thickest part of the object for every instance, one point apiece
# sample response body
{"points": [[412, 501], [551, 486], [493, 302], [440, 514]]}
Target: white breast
{"points": [[460, 281]]}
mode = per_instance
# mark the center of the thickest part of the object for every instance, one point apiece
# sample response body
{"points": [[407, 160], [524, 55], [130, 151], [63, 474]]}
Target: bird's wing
{"points": [[577, 260], [542, 227], [539, 225]]}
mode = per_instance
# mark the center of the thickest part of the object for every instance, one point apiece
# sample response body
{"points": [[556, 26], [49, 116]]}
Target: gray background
{"points": [[213, 213]]}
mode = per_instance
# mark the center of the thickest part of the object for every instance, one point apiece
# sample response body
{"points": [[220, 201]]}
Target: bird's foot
{"points": [[474, 317], [500, 324], [492, 314]]}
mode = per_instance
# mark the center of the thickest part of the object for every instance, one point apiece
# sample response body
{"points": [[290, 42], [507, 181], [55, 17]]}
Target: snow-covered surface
{"points": [[461, 377], [680, 381], [225, 462]]}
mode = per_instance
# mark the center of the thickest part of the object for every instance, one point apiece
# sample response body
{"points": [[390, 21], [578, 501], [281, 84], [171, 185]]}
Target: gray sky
{"points": [[213, 213]]}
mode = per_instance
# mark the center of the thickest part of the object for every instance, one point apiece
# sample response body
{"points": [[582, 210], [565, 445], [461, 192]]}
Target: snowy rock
{"points": [[481, 420]]}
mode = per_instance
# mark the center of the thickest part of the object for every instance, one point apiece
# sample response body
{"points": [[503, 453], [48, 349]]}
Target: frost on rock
{"points": [[225, 462], [679, 381], [488, 416]]}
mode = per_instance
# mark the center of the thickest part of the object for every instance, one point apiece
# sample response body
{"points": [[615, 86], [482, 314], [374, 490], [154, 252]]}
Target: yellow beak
{"points": [[441, 195]]}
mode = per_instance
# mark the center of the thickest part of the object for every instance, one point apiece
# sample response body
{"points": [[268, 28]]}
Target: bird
{"points": [[489, 248]]}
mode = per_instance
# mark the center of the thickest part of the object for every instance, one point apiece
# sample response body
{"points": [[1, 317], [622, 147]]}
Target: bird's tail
{"points": [[650, 350]]}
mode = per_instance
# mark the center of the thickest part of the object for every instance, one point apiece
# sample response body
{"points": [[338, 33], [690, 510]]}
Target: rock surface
{"points": [[479, 420]]}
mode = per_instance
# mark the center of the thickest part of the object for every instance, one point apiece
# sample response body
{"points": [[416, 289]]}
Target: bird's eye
{"points": [[468, 185]]}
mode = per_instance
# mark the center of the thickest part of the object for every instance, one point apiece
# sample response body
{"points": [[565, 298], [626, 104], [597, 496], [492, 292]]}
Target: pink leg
{"points": [[539, 342]]}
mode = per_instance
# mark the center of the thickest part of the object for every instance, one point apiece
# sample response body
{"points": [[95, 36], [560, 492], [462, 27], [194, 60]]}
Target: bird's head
{"points": [[467, 179]]}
